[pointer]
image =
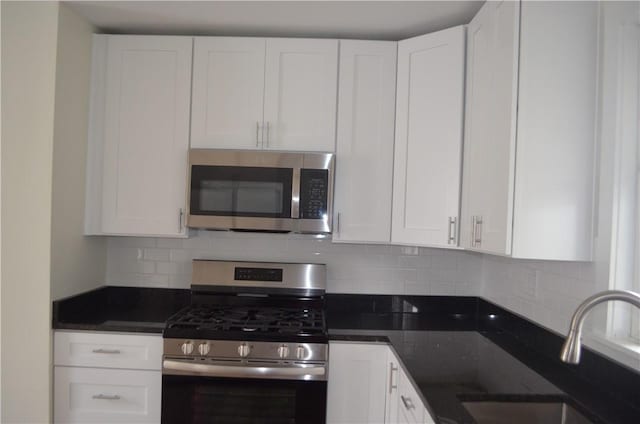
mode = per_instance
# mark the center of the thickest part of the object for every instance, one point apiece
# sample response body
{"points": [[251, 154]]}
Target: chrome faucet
{"points": [[570, 352]]}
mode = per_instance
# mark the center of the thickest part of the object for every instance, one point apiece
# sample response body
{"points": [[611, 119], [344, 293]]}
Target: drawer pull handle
{"points": [[106, 397], [107, 351], [407, 403]]}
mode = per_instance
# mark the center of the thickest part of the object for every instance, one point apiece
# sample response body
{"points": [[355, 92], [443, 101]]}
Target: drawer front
{"points": [[93, 395], [411, 409], [108, 350]]}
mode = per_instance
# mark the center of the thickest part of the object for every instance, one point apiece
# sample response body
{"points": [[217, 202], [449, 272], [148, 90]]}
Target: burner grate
{"points": [[291, 321]]}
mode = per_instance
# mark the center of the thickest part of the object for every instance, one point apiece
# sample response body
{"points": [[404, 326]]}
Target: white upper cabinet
{"points": [[301, 77], [139, 135], [428, 139], [228, 87], [275, 93], [364, 150], [529, 135], [492, 67]]}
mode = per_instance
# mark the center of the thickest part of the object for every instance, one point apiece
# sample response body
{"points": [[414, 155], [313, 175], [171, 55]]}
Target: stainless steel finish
{"points": [[257, 130], [473, 231], [244, 350], [571, 348], [266, 370], [295, 194], [186, 348], [283, 351], [476, 232], [258, 351], [271, 159], [301, 352], [294, 276], [524, 413], [452, 230], [203, 349], [181, 214], [408, 404], [107, 351], [106, 397], [268, 128], [392, 369], [259, 158]]}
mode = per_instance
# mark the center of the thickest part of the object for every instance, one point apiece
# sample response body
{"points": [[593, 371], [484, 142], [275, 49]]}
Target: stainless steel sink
{"points": [[524, 413]]}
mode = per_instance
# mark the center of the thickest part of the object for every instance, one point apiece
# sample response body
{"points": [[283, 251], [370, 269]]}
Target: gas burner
{"points": [[265, 321]]}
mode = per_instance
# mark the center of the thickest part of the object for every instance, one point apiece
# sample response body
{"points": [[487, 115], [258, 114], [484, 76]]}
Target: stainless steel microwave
{"points": [[260, 190]]}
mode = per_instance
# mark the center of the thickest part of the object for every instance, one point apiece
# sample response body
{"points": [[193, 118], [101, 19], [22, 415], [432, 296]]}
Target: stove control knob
{"points": [[187, 348], [301, 352], [283, 351], [203, 349], [243, 350]]}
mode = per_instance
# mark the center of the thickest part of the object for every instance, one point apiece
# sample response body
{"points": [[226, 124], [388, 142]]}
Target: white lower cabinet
{"points": [[367, 384], [97, 395], [107, 377]]}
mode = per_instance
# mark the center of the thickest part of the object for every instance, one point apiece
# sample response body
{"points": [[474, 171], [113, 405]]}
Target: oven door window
{"points": [[200, 400], [241, 191]]}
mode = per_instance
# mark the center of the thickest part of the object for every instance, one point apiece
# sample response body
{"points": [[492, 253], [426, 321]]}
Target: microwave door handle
{"points": [[295, 194]]}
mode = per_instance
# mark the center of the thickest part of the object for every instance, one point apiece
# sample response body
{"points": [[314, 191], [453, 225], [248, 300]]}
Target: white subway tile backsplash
{"points": [[351, 268], [544, 291]]}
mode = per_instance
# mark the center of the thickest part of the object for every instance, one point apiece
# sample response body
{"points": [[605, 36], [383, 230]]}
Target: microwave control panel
{"points": [[314, 189]]}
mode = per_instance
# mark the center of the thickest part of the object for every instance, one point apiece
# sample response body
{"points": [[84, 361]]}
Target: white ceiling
{"points": [[382, 20]]}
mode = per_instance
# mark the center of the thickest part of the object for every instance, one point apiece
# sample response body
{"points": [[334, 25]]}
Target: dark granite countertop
{"points": [[451, 367], [456, 349], [126, 309], [460, 349]]}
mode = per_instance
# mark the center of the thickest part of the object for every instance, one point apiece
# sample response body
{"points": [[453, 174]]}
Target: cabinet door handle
{"points": [[257, 131], [391, 371], [106, 397], [408, 404], [268, 133], [180, 215], [478, 231], [453, 229], [473, 230], [107, 351], [338, 223]]}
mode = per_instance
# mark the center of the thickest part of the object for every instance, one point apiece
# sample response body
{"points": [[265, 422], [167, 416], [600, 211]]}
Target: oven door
{"points": [[235, 396]]}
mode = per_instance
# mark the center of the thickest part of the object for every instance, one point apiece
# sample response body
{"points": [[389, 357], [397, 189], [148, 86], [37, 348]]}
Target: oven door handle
{"points": [[296, 372]]}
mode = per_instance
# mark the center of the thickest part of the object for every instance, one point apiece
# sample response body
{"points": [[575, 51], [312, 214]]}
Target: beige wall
{"points": [[77, 262], [29, 43]]}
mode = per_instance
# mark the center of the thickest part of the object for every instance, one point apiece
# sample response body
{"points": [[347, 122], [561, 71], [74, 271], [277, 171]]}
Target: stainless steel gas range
{"points": [[251, 348]]}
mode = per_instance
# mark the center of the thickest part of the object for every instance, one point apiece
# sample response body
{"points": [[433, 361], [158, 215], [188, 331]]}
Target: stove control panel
{"points": [[239, 350]]}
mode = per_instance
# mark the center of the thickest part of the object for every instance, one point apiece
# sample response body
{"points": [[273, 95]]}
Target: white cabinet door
{"points": [[143, 137], [410, 408], [95, 395], [554, 163], [228, 90], [533, 201], [300, 94], [489, 156], [357, 383], [364, 151], [428, 146]]}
